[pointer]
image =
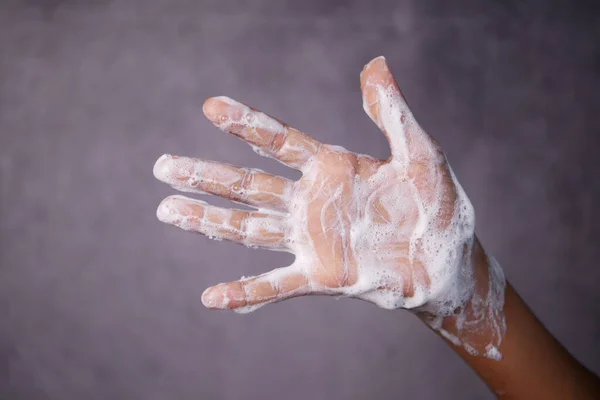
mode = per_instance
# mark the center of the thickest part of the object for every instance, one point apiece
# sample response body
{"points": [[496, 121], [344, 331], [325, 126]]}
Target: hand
{"points": [[398, 233]]}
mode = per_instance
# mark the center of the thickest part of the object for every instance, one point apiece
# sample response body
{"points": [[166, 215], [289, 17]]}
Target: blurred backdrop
{"points": [[98, 300]]}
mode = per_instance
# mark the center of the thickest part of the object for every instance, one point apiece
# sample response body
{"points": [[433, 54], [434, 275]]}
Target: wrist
{"points": [[479, 325]]}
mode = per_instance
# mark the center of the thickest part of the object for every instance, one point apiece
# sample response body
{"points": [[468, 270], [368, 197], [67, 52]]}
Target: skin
{"points": [[317, 218], [534, 364]]}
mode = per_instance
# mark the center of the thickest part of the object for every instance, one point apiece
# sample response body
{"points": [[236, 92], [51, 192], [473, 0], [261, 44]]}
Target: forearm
{"points": [[534, 365]]}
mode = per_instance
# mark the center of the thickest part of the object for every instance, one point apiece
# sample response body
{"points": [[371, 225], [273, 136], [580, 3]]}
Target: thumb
{"points": [[384, 104]]}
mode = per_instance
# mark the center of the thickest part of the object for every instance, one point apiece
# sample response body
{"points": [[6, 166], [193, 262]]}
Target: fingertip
{"points": [[375, 63], [162, 167], [208, 107], [377, 70], [166, 210], [217, 109], [380, 60], [224, 296], [176, 207], [209, 298]]}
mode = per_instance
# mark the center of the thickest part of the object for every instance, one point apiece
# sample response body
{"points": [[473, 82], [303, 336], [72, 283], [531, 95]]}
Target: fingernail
{"points": [[373, 61]]}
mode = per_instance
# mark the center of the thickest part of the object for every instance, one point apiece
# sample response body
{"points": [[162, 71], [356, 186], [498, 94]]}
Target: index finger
{"points": [[268, 136]]}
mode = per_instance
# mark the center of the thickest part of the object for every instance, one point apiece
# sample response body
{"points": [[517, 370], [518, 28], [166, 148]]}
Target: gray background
{"points": [[98, 300]]}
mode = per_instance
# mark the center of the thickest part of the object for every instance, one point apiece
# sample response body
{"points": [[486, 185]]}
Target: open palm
{"points": [[397, 232]]}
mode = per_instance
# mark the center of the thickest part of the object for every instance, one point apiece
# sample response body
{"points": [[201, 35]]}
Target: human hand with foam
{"points": [[398, 233]]}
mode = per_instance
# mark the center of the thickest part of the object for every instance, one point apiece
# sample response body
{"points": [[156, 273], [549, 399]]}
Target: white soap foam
{"points": [[383, 230], [218, 223], [189, 175]]}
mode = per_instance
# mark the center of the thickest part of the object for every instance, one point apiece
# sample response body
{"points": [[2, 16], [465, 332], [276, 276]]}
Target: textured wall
{"points": [[98, 300]]}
